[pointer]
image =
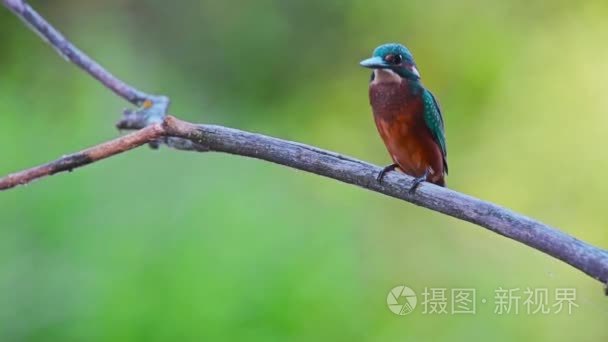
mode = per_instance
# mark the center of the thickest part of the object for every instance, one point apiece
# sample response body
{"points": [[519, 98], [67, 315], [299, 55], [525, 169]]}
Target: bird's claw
{"points": [[384, 171], [415, 185], [417, 182]]}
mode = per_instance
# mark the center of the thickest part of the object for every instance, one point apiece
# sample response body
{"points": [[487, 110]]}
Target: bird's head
{"points": [[393, 57]]}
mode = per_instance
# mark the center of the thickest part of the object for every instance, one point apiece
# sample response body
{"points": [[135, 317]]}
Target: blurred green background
{"points": [[164, 245]]}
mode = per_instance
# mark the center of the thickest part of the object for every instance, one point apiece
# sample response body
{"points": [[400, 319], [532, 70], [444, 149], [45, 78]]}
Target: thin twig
{"points": [[176, 133], [71, 53], [156, 106], [82, 158]]}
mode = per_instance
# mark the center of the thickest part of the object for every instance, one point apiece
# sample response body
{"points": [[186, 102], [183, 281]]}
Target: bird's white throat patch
{"points": [[386, 76]]}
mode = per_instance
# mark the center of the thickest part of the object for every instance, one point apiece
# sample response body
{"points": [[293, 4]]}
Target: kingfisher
{"points": [[407, 115]]}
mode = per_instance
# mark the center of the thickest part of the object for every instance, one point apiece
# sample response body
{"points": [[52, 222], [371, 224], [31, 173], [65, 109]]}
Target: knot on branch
{"points": [[152, 110]]}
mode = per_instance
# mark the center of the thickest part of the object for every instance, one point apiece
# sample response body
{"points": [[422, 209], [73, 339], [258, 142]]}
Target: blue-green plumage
{"points": [[434, 122]]}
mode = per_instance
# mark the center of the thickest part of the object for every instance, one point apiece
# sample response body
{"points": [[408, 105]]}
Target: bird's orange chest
{"points": [[398, 112], [399, 116]]}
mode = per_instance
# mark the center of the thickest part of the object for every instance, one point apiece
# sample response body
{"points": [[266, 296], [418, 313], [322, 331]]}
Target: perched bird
{"points": [[407, 116]]}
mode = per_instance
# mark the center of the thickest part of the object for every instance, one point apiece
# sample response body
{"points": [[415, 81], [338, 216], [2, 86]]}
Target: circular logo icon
{"points": [[401, 300]]}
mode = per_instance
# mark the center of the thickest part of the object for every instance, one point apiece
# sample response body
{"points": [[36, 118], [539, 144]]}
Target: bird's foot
{"points": [[417, 182], [386, 170]]}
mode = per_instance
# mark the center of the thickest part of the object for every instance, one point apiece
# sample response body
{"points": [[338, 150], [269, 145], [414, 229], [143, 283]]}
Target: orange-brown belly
{"points": [[411, 146]]}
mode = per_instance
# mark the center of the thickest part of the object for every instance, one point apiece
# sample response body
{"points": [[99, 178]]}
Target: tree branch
{"points": [[153, 107], [71, 53], [183, 135], [82, 158], [585, 257]]}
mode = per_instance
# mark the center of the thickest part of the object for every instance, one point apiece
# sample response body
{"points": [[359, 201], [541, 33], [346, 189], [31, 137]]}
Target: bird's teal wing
{"points": [[434, 122]]}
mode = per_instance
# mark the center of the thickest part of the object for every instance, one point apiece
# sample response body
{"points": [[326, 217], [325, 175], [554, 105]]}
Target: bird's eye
{"points": [[393, 59]]}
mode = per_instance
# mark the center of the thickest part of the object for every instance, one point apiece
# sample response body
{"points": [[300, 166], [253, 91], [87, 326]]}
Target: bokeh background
{"points": [[164, 245]]}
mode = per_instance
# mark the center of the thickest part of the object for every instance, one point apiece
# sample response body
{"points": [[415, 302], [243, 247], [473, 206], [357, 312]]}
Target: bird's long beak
{"points": [[374, 63]]}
